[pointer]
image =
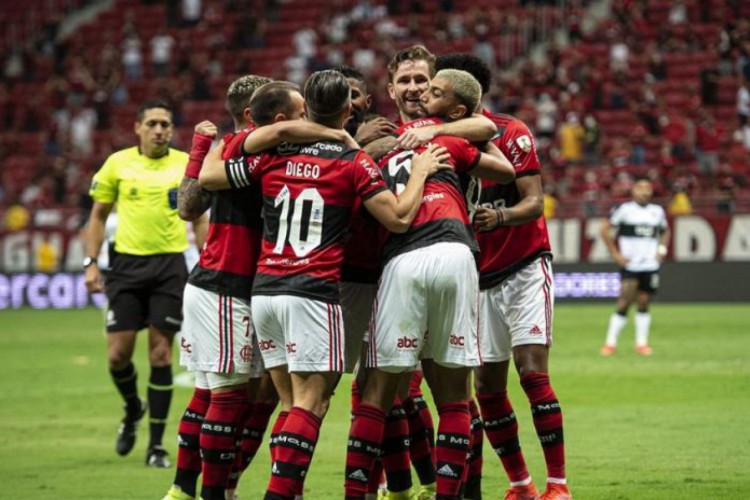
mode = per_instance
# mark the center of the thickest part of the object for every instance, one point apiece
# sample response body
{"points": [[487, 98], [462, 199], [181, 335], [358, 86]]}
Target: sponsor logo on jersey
{"points": [[457, 340], [188, 348], [266, 345], [407, 343], [286, 149]]}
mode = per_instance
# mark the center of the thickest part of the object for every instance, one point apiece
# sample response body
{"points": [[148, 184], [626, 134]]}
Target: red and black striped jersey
{"points": [[308, 195], [442, 215], [228, 261], [509, 248]]}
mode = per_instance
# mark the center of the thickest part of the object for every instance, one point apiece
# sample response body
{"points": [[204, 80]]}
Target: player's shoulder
{"points": [[125, 154], [426, 121], [507, 123]]}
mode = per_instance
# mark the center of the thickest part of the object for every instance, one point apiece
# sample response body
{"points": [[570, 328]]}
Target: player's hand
{"points": [[486, 219], [415, 137], [375, 129], [206, 128], [620, 260], [349, 140], [93, 279], [431, 160]]}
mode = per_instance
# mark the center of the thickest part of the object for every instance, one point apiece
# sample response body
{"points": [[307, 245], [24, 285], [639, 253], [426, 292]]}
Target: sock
{"points": [[238, 467], [376, 478], [420, 449], [395, 447], [294, 452], [616, 323], [275, 431], [355, 397], [218, 440], [159, 398], [501, 427], [188, 437], [126, 381], [473, 489], [452, 448], [548, 421], [642, 325], [255, 429], [365, 437]]}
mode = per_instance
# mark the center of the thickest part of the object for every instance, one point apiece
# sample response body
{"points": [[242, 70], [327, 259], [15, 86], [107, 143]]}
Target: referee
{"points": [[145, 283]]}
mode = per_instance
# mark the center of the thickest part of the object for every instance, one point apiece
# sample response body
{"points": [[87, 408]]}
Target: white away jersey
{"points": [[638, 231]]}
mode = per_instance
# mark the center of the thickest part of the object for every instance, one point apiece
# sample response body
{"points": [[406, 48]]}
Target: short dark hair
{"points": [[327, 95], [350, 72], [470, 63], [413, 53], [240, 92], [271, 99], [152, 104]]}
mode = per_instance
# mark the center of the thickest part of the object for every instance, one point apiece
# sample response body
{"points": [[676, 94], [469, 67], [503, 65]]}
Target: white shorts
{"points": [[518, 311], [306, 334], [356, 304], [217, 334], [433, 289]]}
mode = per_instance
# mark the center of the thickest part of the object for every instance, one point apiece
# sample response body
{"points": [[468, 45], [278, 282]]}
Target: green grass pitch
{"points": [[675, 425]]}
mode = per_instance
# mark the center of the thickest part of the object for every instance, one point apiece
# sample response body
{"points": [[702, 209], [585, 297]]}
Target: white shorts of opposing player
{"points": [[218, 337], [518, 311], [306, 334], [426, 308]]}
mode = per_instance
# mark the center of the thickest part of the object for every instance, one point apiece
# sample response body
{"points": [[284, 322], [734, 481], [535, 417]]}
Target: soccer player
{"points": [[144, 286], [429, 284], [516, 300], [639, 249], [220, 349], [308, 195]]}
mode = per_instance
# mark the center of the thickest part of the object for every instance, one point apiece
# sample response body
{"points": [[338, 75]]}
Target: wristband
{"points": [[500, 217], [661, 250], [198, 152]]}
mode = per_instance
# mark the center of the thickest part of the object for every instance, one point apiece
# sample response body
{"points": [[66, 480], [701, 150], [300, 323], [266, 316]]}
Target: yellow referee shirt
{"points": [[145, 190]]}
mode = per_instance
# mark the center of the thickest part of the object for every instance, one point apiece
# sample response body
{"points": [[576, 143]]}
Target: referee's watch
{"points": [[88, 261]]}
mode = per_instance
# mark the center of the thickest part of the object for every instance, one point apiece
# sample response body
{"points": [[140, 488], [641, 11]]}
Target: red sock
{"points": [[420, 449], [501, 427], [452, 448], [376, 477], [548, 421], [356, 400], [473, 480], [294, 452], [365, 437], [238, 465], [219, 440], [275, 431], [188, 432], [395, 447], [255, 429]]}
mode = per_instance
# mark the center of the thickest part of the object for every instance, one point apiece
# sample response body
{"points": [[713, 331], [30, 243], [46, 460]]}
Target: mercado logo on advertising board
{"points": [[46, 291]]}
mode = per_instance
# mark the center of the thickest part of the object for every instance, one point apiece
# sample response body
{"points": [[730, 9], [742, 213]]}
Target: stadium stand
{"points": [[633, 94]]}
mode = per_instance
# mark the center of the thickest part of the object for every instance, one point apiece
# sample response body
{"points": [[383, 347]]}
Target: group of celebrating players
{"points": [[339, 241]]}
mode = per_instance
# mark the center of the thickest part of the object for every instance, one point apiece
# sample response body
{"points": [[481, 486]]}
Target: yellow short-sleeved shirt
{"points": [[145, 190]]}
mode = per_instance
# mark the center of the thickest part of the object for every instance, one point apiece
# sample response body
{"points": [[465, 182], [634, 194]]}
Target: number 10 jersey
{"points": [[308, 195]]}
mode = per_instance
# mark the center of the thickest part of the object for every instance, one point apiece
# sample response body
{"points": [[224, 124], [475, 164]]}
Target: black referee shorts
{"points": [[648, 281], [145, 290]]}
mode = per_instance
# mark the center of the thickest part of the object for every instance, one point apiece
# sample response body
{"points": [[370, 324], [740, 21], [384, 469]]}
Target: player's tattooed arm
{"points": [[380, 147], [529, 208], [476, 128], [294, 131], [192, 199]]}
